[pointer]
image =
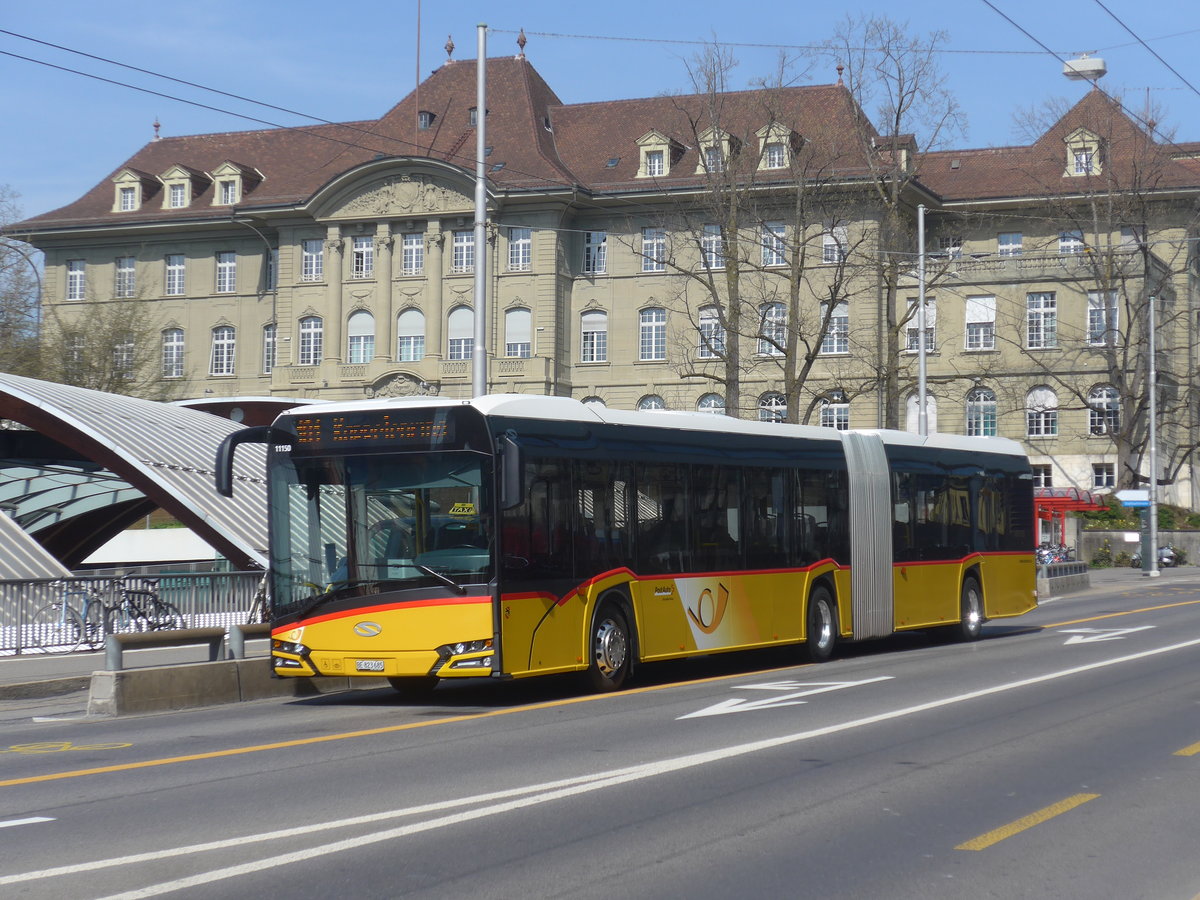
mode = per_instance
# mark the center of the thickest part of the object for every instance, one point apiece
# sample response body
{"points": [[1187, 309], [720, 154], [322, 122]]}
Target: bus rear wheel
{"points": [[821, 620], [608, 649], [970, 624]]}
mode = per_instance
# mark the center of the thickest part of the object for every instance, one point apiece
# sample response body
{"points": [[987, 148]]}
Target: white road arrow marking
{"points": [[1095, 635], [33, 820], [791, 699]]}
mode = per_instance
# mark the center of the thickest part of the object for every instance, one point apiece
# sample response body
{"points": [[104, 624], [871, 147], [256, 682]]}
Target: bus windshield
{"points": [[350, 526]]}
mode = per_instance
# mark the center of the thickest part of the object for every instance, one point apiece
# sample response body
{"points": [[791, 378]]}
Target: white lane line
{"points": [[32, 820], [538, 794]]}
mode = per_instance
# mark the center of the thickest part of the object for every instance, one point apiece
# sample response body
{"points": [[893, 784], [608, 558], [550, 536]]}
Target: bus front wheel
{"points": [[821, 630], [609, 649], [970, 624]]}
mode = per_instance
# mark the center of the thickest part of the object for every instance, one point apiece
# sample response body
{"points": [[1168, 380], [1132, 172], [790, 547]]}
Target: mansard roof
{"points": [[1131, 160], [542, 143]]}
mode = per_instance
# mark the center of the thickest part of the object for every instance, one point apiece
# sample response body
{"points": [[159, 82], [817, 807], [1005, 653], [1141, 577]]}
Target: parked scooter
{"points": [[1166, 557]]}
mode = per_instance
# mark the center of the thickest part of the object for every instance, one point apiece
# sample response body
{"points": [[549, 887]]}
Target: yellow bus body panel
{"points": [[929, 594]]}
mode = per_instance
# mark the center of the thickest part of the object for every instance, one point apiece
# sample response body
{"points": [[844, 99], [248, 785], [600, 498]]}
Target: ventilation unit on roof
{"points": [[1086, 68]]}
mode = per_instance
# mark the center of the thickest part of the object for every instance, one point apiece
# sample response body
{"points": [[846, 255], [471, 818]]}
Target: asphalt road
{"points": [[1059, 757]]}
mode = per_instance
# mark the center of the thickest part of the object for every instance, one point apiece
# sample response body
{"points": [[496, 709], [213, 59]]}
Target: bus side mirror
{"points": [[512, 473], [259, 434]]}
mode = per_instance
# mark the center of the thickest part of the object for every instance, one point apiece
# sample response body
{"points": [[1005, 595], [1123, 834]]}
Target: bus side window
{"points": [[766, 538], [602, 517], [662, 507]]}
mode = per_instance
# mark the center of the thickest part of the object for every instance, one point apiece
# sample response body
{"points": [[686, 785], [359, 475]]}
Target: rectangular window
{"points": [[654, 249], [312, 335], [177, 196], [461, 348], [773, 245], [1102, 318], [123, 359], [1041, 422], [837, 336], [463, 258], [410, 347], [774, 156], [412, 259], [1042, 477], [654, 162], [712, 335], [652, 337], [595, 252], [270, 348], [272, 274], [124, 284], [1041, 321], [981, 323], [1083, 162], [222, 351], [175, 274], [1009, 243], [835, 415], [834, 245], [226, 272], [229, 192], [172, 353], [712, 247], [1070, 242], [520, 250], [76, 272], [312, 260], [1104, 475], [128, 199], [913, 331], [594, 343], [950, 247], [714, 159], [363, 260]]}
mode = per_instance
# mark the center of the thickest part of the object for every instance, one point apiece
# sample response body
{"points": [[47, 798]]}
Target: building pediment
{"points": [[402, 196]]}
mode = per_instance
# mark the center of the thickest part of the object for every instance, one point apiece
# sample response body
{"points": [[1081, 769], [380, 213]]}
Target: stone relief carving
{"points": [[404, 195], [402, 385]]}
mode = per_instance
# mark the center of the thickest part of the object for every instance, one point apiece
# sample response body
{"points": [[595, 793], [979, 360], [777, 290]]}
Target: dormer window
{"points": [[425, 120], [233, 181], [228, 191], [1084, 154], [776, 146], [132, 188], [473, 115], [181, 185], [716, 149], [177, 196], [656, 153]]}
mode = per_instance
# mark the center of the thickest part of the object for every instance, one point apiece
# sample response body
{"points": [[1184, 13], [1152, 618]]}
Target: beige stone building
{"points": [[722, 253]]}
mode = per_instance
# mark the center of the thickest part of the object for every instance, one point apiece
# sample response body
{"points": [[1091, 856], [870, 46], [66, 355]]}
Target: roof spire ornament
{"points": [[521, 44], [157, 125], [840, 70], [449, 48]]}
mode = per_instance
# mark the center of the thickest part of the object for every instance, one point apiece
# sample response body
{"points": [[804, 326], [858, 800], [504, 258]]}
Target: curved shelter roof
{"points": [[117, 458]]}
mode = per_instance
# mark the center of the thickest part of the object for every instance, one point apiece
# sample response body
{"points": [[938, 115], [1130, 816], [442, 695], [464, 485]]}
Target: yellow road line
{"points": [[1043, 815], [368, 732], [1127, 613], [1188, 751]]}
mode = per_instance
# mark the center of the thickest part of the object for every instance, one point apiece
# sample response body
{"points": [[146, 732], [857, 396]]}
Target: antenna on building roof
{"points": [[1085, 68]]}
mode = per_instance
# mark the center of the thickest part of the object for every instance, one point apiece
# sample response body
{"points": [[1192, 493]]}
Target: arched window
{"points": [[1041, 412], [652, 336], [772, 329], [312, 332], [461, 332], [410, 336], [913, 419], [224, 339], [518, 333], [593, 401], [1104, 410], [360, 333], [172, 353], [593, 345], [712, 335], [981, 412], [270, 347], [835, 411], [772, 407], [651, 401], [713, 404]]}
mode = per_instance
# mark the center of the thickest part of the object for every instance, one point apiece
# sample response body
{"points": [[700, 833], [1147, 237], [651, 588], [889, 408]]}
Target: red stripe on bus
{"points": [[964, 559], [386, 607]]}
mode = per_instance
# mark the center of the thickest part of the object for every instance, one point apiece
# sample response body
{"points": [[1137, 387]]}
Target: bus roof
{"points": [[537, 406]]}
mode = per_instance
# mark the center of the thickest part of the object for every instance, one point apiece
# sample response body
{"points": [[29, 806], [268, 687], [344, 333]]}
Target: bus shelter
{"points": [[1053, 504]]}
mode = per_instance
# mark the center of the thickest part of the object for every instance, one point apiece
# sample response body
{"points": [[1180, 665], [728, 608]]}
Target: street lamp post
{"points": [[1151, 571]]}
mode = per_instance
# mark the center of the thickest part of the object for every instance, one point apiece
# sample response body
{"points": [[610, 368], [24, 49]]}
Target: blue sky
{"points": [[65, 132]]}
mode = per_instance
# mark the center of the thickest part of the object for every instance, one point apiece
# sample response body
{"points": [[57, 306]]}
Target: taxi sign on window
{"points": [[462, 509]]}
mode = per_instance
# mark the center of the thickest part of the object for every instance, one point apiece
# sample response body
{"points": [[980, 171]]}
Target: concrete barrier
{"points": [[1056, 579], [191, 685]]}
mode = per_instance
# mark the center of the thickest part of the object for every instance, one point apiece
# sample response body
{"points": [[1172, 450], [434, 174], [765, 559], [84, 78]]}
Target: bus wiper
{"points": [[448, 582]]}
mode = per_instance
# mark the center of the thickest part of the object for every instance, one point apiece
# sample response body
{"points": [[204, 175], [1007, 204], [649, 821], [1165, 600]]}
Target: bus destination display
{"points": [[374, 430]]}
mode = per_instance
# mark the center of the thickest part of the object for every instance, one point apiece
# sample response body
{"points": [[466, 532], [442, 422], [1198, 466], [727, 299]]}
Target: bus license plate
{"points": [[368, 665]]}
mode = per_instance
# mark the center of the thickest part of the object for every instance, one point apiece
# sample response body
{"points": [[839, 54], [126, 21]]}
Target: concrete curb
{"points": [[188, 686], [39, 690]]}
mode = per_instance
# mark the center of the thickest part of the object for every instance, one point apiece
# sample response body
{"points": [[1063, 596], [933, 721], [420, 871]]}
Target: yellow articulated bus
{"points": [[509, 536]]}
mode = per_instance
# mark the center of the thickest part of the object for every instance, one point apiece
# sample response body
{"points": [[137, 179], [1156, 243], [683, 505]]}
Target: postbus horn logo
{"points": [[708, 613], [368, 629]]}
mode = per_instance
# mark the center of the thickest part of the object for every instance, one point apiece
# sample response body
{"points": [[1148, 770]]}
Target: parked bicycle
{"points": [[85, 613]]}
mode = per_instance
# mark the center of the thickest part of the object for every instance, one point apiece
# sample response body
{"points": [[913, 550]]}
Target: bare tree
{"points": [[20, 279]]}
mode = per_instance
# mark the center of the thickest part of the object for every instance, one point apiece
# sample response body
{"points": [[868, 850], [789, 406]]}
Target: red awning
{"points": [[1050, 502]]}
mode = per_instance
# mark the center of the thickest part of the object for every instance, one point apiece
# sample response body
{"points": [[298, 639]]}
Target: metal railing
{"points": [[205, 599]]}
